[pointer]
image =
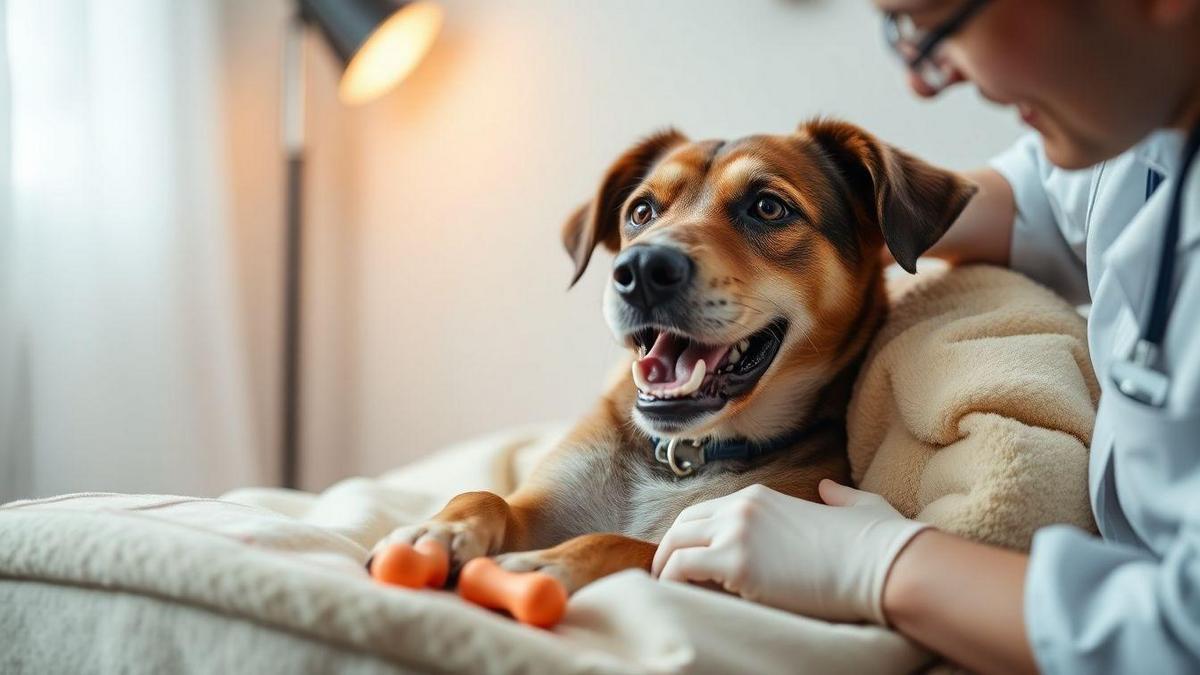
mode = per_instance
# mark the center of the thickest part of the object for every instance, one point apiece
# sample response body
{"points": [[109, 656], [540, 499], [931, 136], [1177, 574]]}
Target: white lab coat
{"points": [[1129, 603]]}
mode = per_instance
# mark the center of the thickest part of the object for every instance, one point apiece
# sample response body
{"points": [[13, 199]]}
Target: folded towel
{"points": [[975, 405]]}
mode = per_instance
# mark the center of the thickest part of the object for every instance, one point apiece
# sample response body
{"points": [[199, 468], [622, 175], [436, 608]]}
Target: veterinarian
{"points": [[1112, 86]]}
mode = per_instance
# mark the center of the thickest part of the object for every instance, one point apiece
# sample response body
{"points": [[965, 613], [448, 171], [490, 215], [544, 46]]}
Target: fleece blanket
{"points": [[272, 581], [972, 411], [975, 406]]}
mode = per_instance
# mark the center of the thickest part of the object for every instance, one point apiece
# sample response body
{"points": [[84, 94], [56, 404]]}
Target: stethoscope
{"points": [[1141, 377]]}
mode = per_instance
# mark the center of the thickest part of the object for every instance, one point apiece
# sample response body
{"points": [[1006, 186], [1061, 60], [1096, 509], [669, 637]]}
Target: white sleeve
{"points": [[1094, 606], [1048, 243]]}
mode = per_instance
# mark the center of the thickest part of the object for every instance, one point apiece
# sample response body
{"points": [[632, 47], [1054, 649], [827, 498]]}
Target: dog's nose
{"points": [[648, 275]]}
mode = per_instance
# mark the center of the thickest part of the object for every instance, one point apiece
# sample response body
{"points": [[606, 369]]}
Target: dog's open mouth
{"points": [[678, 376]]}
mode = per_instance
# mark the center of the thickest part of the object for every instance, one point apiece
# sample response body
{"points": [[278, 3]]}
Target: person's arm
{"points": [[1026, 216], [856, 558], [983, 232], [1041, 210], [962, 600]]}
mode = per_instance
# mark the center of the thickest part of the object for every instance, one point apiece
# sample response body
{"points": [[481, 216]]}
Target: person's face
{"points": [[1091, 76]]}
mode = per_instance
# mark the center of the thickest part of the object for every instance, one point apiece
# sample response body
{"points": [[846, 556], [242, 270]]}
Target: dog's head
{"points": [[744, 268]]}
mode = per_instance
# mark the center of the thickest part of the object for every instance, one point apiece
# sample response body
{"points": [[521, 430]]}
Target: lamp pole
{"points": [[293, 143], [377, 43]]}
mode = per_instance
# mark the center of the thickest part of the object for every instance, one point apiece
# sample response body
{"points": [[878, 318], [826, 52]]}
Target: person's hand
{"points": [[828, 562]]}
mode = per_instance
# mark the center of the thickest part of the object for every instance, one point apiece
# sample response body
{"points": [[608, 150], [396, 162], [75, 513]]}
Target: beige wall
{"points": [[461, 322]]}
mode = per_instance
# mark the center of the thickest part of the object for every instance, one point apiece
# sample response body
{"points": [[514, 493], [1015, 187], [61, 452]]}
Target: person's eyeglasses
{"points": [[918, 48]]}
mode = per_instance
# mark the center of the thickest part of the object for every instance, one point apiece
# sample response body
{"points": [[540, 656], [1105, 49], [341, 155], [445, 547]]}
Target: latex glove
{"points": [[823, 561]]}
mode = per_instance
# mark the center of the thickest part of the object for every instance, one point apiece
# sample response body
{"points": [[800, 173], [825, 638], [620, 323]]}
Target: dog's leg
{"points": [[579, 488], [584, 559], [572, 493]]}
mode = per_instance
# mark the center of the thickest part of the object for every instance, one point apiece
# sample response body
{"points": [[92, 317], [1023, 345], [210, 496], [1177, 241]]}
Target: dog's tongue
{"points": [[671, 360]]}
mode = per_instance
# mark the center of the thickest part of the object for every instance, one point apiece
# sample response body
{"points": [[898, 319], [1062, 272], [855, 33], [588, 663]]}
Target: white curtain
{"points": [[123, 350], [14, 470]]}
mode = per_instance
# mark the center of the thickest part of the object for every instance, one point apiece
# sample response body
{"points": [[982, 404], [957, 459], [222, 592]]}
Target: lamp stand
{"points": [[293, 143]]}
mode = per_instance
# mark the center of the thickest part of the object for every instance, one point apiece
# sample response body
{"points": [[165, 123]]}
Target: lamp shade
{"points": [[377, 41]]}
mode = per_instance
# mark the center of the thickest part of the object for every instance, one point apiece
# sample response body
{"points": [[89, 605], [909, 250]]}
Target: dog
{"points": [[747, 285]]}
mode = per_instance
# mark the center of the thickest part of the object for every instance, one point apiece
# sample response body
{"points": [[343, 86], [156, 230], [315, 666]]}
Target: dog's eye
{"points": [[769, 208], [641, 213]]}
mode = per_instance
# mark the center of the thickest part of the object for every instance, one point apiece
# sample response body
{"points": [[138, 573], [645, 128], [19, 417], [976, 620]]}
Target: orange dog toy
{"points": [[425, 564], [532, 598]]}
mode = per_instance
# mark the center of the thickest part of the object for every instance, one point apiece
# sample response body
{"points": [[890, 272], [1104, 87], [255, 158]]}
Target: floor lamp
{"points": [[377, 42]]}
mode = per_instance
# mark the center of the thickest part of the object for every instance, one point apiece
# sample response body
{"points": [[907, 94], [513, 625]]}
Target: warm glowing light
{"points": [[391, 52]]}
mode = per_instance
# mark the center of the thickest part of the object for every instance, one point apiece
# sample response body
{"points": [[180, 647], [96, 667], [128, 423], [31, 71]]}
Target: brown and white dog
{"points": [[747, 285]]}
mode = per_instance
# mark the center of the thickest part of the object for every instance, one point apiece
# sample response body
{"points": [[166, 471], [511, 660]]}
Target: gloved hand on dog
{"points": [[828, 561]]}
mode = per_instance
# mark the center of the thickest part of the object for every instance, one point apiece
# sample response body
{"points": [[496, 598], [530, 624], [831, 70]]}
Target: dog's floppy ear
{"points": [[596, 221], [911, 201]]}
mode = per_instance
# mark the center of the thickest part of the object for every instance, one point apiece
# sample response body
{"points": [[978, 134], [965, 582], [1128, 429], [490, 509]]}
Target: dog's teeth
{"points": [[744, 345], [639, 379], [687, 389], [694, 383], [735, 355]]}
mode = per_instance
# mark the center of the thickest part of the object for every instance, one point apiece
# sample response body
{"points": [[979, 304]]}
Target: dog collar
{"points": [[666, 450]]}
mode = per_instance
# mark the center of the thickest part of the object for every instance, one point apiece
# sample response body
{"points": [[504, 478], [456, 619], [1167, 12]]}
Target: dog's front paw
{"points": [[580, 561], [548, 561], [463, 540]]}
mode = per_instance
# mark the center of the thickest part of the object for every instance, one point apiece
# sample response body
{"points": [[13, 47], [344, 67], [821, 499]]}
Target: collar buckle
{"points": [[665, 452]]}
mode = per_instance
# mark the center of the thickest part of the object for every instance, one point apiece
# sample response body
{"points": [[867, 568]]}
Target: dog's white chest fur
{"points": [[655, 499]]}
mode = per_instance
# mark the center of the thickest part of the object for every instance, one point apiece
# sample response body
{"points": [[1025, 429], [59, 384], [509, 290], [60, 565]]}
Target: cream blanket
{"points": [[975, 406], [973, 412]]}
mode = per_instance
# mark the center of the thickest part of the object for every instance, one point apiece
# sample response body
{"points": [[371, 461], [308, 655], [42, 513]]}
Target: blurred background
{"points": [[141, 218]]}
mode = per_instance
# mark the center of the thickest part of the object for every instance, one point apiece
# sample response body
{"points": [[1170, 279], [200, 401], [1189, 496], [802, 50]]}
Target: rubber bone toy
{"points": [[533, 598]]}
